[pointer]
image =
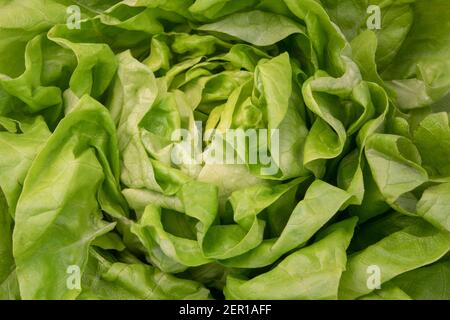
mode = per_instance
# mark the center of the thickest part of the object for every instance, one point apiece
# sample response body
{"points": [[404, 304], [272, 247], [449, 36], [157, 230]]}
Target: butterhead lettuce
{"points": [[224, 149]]}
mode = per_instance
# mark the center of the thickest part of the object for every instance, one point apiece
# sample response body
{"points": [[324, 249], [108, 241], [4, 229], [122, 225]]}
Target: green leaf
{"points": [[256, 27], [414, 246], [432, 138], [110, 280], [427, 283], [58, 214], [307, 274], [18, 152], [396, 165], [434, 206], [307, 218]]}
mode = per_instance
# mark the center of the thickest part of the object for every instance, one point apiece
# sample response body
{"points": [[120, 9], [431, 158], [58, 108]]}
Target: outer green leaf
{"points": [[310, 273], [106, 280], [434, 206], [416, 245], [256, 27], [58, 214], [307, 218]]}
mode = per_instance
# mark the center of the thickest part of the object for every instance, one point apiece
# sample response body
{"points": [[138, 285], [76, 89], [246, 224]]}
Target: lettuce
{"points": [[210, 149]]}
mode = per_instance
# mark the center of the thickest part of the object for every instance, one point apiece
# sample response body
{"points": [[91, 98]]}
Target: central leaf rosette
{"points": [[221, 128]]}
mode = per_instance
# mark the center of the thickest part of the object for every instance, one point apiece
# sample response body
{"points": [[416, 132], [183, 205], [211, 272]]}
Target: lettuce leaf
{"points": [[210, 149]]}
